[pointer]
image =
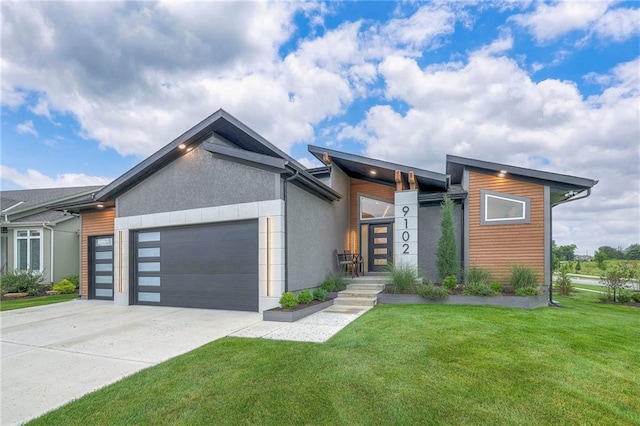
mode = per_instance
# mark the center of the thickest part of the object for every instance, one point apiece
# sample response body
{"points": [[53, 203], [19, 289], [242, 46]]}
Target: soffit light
{"points": [[502, 173], [182, 146], [100, 206], [373, 172]]}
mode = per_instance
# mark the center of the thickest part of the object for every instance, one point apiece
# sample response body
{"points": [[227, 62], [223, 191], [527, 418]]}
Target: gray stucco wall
{"points": [[315, 228], [428, 235], [196, 180]]}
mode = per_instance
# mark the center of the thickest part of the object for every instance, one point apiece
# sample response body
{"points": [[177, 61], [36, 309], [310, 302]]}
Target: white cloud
{"points": [[32, 179], [618, 24], [27, 127]]}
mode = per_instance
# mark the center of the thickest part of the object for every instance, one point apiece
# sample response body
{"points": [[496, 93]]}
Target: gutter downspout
{"points": [[551, 302], [286, 232], [44, 225]]}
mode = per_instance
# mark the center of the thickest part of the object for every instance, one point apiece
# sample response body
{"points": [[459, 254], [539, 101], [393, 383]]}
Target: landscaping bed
{"points": [[298, 312], [523, 302]]}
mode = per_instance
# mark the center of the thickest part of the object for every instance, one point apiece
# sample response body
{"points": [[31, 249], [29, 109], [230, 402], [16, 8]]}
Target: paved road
{"points": [[56, 353]]}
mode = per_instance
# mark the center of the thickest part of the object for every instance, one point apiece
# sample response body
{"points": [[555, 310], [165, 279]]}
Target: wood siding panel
{"points": [[94, 223], [360, 187], [498, 247]]}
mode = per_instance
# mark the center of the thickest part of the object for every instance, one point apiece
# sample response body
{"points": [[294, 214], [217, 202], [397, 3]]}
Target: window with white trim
{"points": [[28, 252], [500, 209]]}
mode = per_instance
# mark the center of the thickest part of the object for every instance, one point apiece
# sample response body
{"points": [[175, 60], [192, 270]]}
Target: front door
{"points": [[101, 267], [380, 246]]}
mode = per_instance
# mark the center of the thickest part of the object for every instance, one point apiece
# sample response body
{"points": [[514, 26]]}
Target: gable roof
{"points": [[33, 205], [360, 167], [223, 125]]}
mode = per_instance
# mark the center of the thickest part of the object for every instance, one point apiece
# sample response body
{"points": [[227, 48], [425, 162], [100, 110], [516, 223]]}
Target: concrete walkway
{"points": [[316, 328]]}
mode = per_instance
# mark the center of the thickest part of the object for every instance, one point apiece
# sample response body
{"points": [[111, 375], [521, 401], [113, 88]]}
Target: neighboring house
{"points": [[36, 237], [221, 218]]}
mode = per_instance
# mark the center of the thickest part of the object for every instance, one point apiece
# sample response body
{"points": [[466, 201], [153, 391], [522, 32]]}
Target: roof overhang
{"points": [[378, 171], [563, 187]]}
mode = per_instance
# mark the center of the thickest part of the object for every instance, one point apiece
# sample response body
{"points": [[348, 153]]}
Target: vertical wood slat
{"points": [[498, 247], [360, 187], [93, 223]]}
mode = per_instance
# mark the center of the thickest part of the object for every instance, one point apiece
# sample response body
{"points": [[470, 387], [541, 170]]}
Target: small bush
{"points": [[64, 286], [432, 292], [635, 297], [450, 282], [624, 296], [522, 276], [334, 282], [305, 296], [478, 289], [476, 275], [288, 300], [496, 286], [403, 278], [75, 279], [30, 282], [563, 282], [320, 294], [527, 291]]}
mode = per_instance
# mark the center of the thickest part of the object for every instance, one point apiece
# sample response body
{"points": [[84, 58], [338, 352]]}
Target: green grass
{"points": [[591, 268], [412, 364], [27, 302]]}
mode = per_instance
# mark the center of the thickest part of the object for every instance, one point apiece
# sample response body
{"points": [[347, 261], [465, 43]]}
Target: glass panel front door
{"points": [[101, 269], [380, 246]]}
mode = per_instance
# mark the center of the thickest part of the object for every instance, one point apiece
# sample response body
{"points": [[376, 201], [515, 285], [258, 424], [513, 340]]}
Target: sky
{"points": [[90, 89]]}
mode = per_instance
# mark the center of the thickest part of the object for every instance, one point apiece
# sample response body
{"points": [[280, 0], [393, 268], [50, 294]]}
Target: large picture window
{"points": [[28, 254], [500, 209], [375, 209]]}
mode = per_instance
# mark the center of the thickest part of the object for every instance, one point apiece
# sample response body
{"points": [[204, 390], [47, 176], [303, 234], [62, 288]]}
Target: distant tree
{"points": [[447, 252], [611, 253], [555, 260], [632, 252], [600, 258], [567, 252], [578, 266]]}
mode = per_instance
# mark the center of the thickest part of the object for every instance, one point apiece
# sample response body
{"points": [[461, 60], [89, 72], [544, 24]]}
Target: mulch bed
{"points": [[300, 306]]}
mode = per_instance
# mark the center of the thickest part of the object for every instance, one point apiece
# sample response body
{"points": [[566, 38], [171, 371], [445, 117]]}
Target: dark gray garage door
{"points": [[206, 266]]}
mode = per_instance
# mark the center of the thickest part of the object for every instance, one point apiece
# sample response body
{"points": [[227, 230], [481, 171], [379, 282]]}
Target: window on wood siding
{"points": [[500, 209]]}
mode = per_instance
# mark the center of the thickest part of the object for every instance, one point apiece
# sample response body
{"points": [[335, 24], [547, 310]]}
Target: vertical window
{"points": [[501, 209], [28, 249], [4, 267]]}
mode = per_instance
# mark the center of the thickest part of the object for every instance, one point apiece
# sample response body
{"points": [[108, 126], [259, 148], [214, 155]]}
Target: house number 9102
{"points": [[405, 234]]}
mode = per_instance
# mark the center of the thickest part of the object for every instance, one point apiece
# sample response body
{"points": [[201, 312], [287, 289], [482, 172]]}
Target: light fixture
{"points": [[502, 173], [182, 146], [100, 206], [190, 149], [373, 172]]}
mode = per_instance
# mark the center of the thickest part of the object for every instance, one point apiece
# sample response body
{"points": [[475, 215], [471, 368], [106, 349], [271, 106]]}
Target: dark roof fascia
{"points": [[249, 158], [545, 178], [312, 184], [320, 172], [438, 178], [438, 197]]}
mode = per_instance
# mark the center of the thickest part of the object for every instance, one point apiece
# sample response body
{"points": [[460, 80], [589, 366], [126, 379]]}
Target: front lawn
{"points": [[27, 302], [411, 364]]}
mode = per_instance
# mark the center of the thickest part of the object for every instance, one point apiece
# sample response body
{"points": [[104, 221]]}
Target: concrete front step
{"points": [[355, 301], [359, 293], [364, 286]]}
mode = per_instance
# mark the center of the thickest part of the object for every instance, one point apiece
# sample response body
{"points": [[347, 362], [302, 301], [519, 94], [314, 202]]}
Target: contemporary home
{"points": [[35, 237], [221, 218]]}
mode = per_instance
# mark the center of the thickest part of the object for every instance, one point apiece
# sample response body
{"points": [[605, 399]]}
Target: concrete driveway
{"points": [[56, 353]]}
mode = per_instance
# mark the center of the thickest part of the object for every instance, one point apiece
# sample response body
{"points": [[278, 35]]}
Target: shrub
{"points": [[447, 251], [64, 286], [616, 277], [476, 275], [496, 286], [624, 296], [22, 282], [450, 282], [432, 292], [288, 300], [523, 276], [635, 297], [320, 294], [563, 282], [403, 278], [75, 279], [478, 289], [527, 291], [305, 296], [334, 282]]}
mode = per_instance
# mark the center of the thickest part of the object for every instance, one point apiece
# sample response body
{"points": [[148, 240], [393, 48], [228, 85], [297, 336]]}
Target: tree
{"points": [[567, 252], [600, 258], [563, 281], [611, 253], [632, 252], [616, 277], [578, 267], [447, 252]]}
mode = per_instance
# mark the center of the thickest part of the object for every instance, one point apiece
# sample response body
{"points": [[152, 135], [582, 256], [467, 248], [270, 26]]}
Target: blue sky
{"points": [[90, 89]]}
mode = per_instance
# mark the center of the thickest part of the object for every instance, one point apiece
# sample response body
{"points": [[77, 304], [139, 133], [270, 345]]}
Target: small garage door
{"points": [[206, 266]]}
